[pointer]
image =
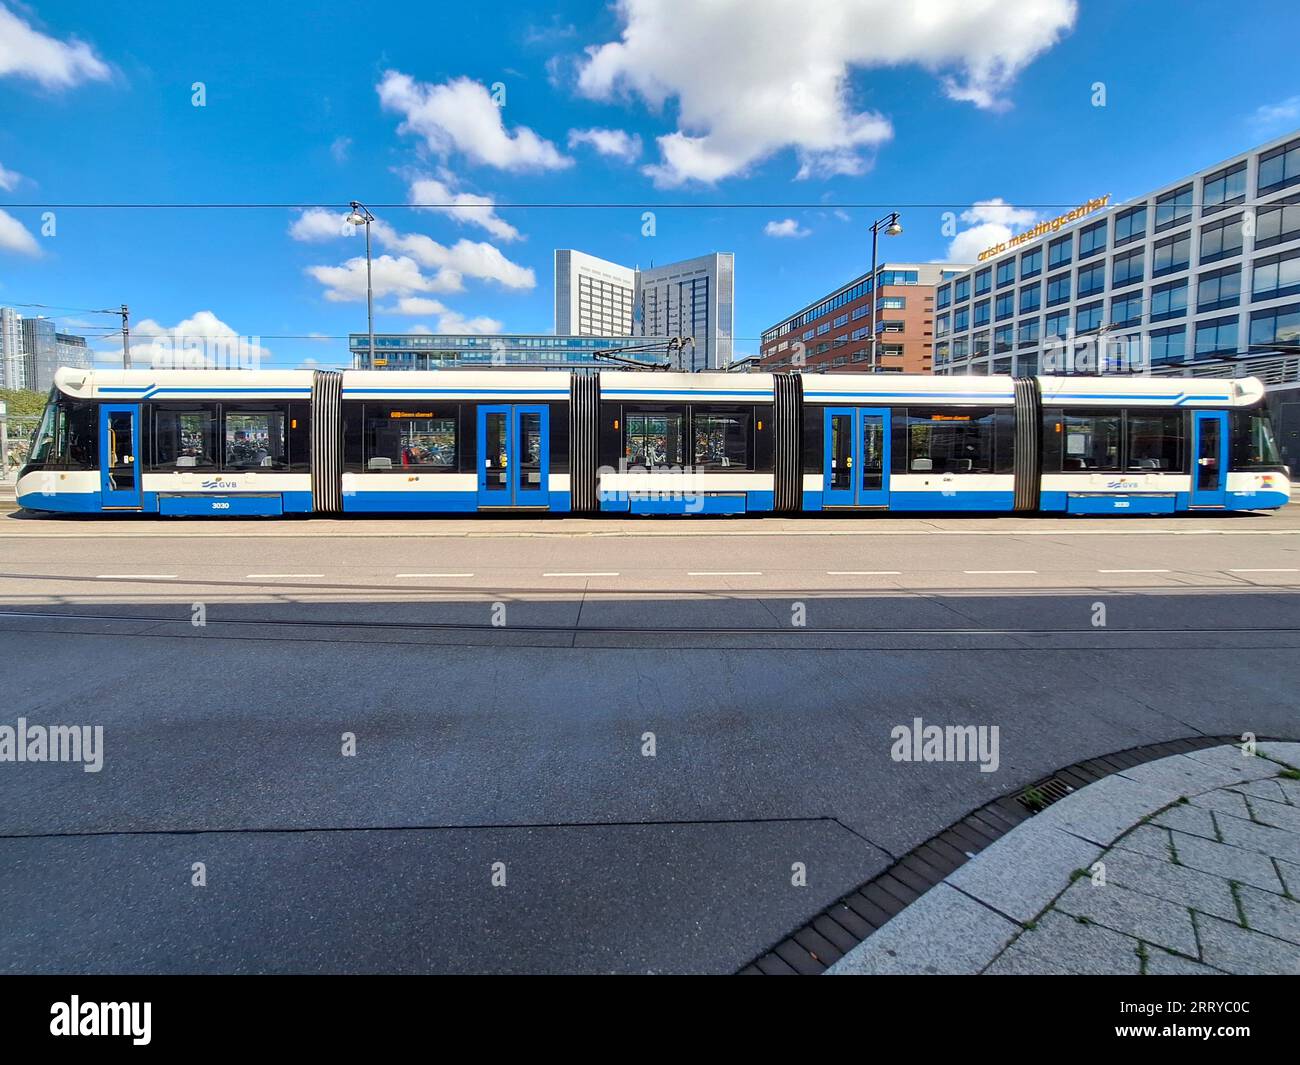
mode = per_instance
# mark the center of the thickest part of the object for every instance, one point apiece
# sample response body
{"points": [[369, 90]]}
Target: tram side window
{"points": [[255, 439], [722, 439], [1155, 441], [1253, 444], [43, 439], [421, 437], [951, 440], [300, 436], [185, 437], [78, 436], [1090, 441], [653, 438]]}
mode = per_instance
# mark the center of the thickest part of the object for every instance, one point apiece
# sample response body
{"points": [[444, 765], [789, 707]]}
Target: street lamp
{"points": [[361, 216], [892, 228]]}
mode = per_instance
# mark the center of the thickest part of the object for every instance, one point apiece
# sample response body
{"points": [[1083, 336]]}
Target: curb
{"points": [[1065, 831]]}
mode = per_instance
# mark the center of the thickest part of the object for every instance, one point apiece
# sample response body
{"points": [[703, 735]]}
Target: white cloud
{"points": [[14, 236], [340, 147], [1280, 116], [464, 207], [753, 77], [615, 143], [787, 227], [27, 53], [416, 305], [470, 258], [201, 339], [316, 224], [9, 179], [453, 322], [460, 115], [390, 276], [449, 321], [991, 222]]}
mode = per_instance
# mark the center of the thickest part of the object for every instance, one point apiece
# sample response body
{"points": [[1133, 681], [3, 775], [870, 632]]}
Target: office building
{"points": [[13, 367], [1201, 268], [833, 333], [693, 298]]}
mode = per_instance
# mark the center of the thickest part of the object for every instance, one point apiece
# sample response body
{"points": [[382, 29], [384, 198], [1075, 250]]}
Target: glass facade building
{"points": [[507, 351], [1203, 268]]}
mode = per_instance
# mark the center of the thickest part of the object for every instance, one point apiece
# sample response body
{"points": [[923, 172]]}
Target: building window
{"points": [[1223, 189], [1218, 289], [1006, 272], [809, 334], [1173, 208], [1058, 289], [892, 303], [840, 320], [722, 440], [961, 317], [981, 344], [942, 296], [1027, 333], [1058, 324], [1006, 306], [1277, 325], [1170, 255], [1221, 240], [1092, 279], [1277, 275], [1031, 298], [1130, 225], [1031, 263], [823, 329], [1280, 167], [961, 289], [1277, 222], [1002, 338], [1059, 252], [1127, 269], [1217, 337], [1169, 301], [1027, 365], [861, 312], [1087, 319], [983, 278], [1126, 310], [1092, 239], [1168, 345]]}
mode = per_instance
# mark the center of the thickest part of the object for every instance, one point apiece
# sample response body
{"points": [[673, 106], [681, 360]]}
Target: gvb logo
{"points": [[121, 1019]]}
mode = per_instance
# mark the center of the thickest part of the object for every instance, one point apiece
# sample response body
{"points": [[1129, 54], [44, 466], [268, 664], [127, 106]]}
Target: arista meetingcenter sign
{"points": [[1044, 228]]}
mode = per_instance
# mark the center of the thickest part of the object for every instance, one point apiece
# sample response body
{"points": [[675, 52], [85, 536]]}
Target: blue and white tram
{"points": [[187, 442]]}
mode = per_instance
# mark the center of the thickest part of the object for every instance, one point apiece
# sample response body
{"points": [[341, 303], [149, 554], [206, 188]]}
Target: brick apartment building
{"points": [[831, 335]]}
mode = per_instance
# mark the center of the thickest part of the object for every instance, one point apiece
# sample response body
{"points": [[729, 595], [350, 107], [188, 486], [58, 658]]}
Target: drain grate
{"points": [[1040, 796]]}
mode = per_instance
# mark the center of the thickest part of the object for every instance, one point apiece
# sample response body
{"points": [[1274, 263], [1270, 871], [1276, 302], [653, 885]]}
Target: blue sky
{"points": [[697, 109]]}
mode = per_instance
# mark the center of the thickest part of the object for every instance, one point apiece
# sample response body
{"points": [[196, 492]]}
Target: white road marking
{"points": [[285, 576], [863, 572], [1279, 570], [135, 576], [435, 574], [1132, 571], [998, 571], [598, 573], [724, 573]]}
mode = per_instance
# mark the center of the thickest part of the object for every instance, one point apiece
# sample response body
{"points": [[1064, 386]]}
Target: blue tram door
{"points": [[514, 455], [856, 461], [119, 455], [1210, 451]]}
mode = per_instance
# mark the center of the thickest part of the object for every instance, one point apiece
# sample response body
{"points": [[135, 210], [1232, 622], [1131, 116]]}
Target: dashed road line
{"points": [[135, 576]]}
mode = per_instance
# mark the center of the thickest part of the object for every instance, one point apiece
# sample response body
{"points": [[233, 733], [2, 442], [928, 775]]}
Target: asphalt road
{"points": [[500, 677]]}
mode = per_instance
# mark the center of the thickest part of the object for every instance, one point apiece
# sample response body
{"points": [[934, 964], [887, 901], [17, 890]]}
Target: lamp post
{"points": [[361, 216], [892, 228]]}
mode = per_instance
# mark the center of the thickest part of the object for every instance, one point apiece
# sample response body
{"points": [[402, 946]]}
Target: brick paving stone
{"points": [[1148, 839], [1234, 863], [1107, 809], [1236, 950], [1223, 801], [1060, 944], [1231, 760], [1290, 873], [1283, 751], [1187, 818], [1174, 883], [1270, 914], [1162, 963], [1266, 789], [1167, 924], [1275, 814], [1275, 842]]}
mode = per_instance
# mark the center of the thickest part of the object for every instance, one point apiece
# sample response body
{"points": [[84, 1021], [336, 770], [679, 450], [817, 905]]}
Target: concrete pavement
{"points": [[524, 742], [1188, 864]]}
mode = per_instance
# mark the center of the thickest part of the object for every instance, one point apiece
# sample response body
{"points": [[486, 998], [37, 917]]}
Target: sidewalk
{"points": [[1188, 864]]}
